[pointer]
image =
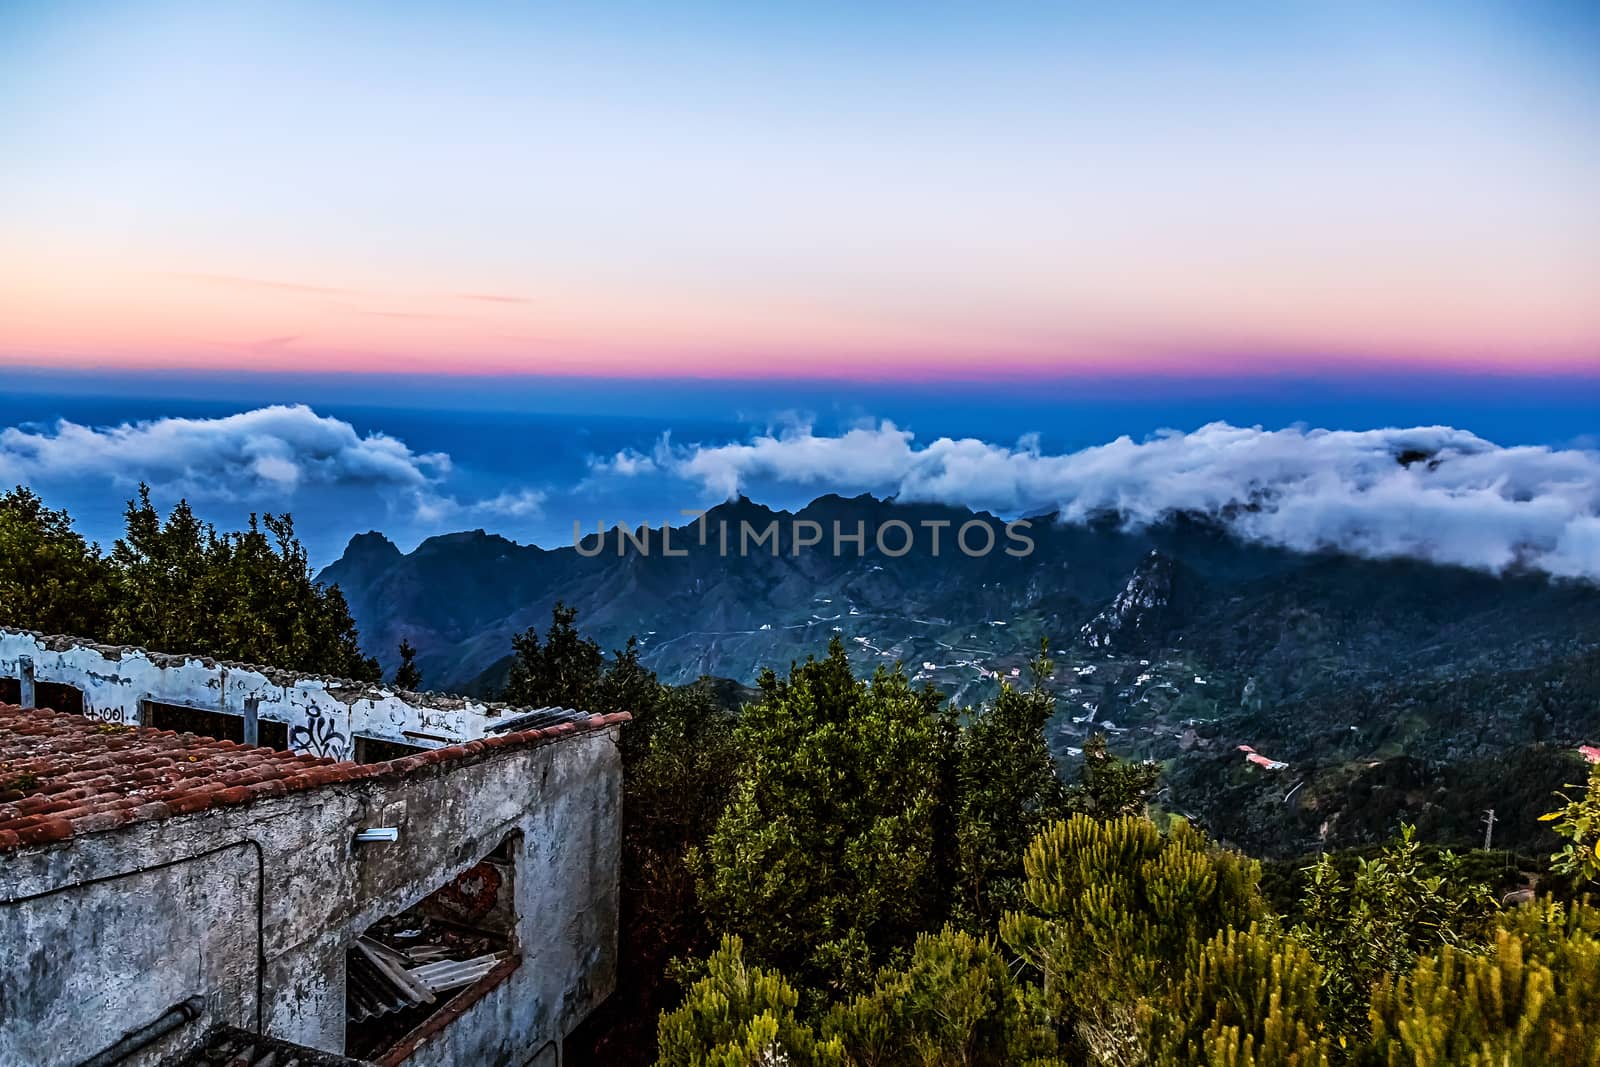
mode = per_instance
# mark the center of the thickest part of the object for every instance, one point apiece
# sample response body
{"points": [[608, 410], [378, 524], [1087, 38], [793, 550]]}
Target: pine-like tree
{"points": [[1249, 1000], [1006, 791], [162, 572], [563, 669], [955, 1004], [1117, 910], [177, 585], [51, 579], [408, 675], [739, 1015], [1109, 787], [1533, 1000]]}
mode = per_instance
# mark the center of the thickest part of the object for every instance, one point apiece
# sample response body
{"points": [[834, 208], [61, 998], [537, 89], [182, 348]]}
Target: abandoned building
{"points": [[218, 863]]}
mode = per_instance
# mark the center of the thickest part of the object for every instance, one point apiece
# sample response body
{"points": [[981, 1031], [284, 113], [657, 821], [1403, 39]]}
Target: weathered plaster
{"points": [[89, 961], [102, 959], [323, 715]]}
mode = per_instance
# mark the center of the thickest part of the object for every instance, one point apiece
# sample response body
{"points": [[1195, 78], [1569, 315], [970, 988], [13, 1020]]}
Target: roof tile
{"points": [[187, 803], [66, 775], [46, 831]]}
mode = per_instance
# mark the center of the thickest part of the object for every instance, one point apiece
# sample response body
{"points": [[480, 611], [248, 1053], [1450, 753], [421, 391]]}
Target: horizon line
{"points": [[1344, 371]]}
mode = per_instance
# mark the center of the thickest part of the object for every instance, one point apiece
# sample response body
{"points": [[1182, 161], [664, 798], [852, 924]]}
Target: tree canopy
{"points": [[175, 584], [51, 579], [826, 856], [899, 882]]}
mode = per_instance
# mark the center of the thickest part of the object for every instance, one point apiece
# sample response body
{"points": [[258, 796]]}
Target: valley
{"points": [[1292, 700]]}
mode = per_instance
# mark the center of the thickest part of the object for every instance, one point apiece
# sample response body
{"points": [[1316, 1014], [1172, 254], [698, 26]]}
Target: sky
{"points": [[937, 192], [424, 267]]}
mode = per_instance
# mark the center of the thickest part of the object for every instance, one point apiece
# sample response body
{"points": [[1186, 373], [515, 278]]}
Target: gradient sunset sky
{"points": [[815, 190]]}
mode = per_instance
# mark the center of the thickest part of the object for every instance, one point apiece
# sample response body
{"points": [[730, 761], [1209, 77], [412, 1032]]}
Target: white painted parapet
{"points": [[323, 716]]}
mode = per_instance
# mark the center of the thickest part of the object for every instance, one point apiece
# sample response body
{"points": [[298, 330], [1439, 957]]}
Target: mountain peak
{"points": [[371, 545], [479, 540], [1140, 612]]}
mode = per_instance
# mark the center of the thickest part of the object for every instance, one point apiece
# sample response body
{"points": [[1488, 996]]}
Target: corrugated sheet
{"points": [[453, 974], [537, 719], [378, 980], [370, 992]]}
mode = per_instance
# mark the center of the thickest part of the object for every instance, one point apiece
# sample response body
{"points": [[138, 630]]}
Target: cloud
{"points": [[516, 505], [629, 463], [493, 298], [267, 455], [1433, 492], [405, 314], [271, 451], [237, 282], [434, 509]]}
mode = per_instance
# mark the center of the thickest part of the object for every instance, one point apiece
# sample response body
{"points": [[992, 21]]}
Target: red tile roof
{"points": [[65, 776]]}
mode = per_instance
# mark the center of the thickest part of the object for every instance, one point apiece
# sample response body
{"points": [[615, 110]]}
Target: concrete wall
{"points": [[323, 716], [103, 959], [126, 949]]}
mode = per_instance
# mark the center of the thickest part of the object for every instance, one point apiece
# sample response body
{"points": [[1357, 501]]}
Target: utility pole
{"points": [[1488, 829]]}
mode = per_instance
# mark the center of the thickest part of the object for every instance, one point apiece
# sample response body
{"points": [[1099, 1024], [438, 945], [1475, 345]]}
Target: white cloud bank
{"points": [[1460, 500], [269, 453], [271, 450]]}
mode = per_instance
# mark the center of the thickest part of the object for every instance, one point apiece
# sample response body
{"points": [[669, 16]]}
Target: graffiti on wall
{"points": [[320, 716], [320, 736]]}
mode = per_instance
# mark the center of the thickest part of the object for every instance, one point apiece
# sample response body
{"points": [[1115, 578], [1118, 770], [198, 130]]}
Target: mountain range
{"points": [[1364, 692]]}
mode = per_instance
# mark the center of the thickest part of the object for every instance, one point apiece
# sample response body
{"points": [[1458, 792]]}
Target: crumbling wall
{"points": [[567, 904], [147, 944], [323, 716], [89, 962]]}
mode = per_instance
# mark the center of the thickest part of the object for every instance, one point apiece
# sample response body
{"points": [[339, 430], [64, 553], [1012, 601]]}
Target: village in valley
{"points": [[1150, 704]]}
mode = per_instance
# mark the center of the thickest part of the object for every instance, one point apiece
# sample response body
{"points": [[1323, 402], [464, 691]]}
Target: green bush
{"points": [[1532, 1000]]}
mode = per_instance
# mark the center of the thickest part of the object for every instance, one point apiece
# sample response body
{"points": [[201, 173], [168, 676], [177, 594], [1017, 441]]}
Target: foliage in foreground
{"points": [[1579, 823], [864, 812], [914, 886], [1126, 946], [887, 813], [1393, 908], [1531, 1000], [852, 873], [678, 760], [1115, 906], [739, 1014], [826, 856], [1245, 996]]}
